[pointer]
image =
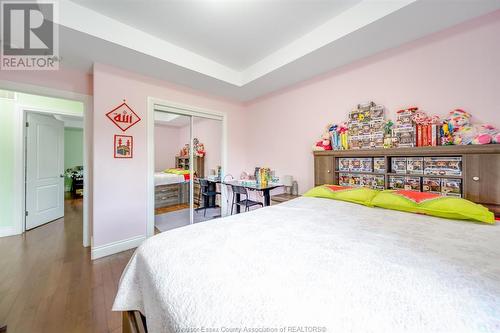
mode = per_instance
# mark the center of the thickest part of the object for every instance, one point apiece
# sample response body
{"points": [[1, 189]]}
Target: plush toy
{"points": [[485, 134], [458, 118], [492, 131], [324, 143], [185, 150], [200, 150], [420, 117], [476, 135]]}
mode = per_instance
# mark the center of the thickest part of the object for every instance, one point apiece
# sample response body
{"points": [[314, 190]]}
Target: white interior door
{"points": [[44, 170]]}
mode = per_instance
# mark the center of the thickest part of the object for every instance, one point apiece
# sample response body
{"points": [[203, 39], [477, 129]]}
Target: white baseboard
{"points": [[116, 247], [8, 231]]}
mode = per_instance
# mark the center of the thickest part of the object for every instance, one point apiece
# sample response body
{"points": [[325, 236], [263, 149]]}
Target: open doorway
{"points": [[39, 180], [187, 151]]}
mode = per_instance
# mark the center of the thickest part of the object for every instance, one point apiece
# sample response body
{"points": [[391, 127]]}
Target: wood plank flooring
{"points": [[49, 284], [169, 209]]}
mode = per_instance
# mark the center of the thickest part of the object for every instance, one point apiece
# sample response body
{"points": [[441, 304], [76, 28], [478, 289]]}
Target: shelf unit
{"points": [[182, 162], [480, 168]]}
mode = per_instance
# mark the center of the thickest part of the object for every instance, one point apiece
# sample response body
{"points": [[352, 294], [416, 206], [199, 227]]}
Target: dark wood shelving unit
{"points": [[480, 168], [420, 175]]}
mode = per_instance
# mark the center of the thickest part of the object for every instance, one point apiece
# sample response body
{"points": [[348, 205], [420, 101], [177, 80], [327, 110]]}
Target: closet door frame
{"points": [[155, 104]]}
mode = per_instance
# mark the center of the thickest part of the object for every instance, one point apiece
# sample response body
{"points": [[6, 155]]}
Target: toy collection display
{"points": [[199, 149], [366, 128]]}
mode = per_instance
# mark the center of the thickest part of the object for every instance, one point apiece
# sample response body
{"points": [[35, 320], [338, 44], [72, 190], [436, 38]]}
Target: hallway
{"points": [[49, 284]]}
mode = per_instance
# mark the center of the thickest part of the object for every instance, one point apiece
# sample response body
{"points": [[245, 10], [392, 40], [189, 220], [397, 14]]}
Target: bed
{"points": [[170, 189], [316, 265], [162, 178]]}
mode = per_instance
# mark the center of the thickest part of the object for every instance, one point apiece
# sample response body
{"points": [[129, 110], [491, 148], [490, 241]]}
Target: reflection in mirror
{"points": [[172, 178]]}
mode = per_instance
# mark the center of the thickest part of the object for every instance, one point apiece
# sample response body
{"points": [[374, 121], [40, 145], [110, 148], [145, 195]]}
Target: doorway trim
{"points": [[182, 109], [87, 101]]}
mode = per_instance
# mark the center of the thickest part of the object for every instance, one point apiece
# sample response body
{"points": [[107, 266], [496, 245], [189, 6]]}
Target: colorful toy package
{"points": [[446, 166]]}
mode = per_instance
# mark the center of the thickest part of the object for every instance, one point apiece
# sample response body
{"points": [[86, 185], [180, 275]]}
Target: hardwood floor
{"points": [[169, 209], [49, 284]]}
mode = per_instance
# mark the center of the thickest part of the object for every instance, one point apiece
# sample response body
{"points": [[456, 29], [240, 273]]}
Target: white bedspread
{"points": [[320, 263], [162, 178]]}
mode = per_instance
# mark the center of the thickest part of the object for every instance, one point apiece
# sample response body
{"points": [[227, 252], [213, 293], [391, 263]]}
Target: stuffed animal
{"points": [[476, 135], [492, 131], [324, 143], [420, 117], [486, 133], [457, 118], [200, 150]]}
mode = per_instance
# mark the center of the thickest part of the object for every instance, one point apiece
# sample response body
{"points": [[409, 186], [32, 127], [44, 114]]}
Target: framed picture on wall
{"points": [[124, 146]]}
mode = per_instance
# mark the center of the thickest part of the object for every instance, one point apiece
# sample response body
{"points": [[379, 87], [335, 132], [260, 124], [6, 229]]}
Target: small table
{"points": [[266, 190]]}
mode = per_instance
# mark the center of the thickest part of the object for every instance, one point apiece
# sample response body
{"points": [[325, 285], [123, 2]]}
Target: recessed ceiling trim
{"points": [[95, 24], [354, 18], [77, 17]]}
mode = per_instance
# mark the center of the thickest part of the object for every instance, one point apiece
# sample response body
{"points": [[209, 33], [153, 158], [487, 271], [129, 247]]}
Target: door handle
{"points": [[61, 176]]}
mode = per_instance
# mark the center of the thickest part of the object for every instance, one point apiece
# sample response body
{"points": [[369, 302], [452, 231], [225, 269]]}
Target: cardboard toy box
{"points": [[412, 183], [451, 187], [432, 185], [344, 164], [366, 164], [415, 165], [396, 182], [379, 182], [344, 179], [445, 166], [379, 164], [399, 165]]}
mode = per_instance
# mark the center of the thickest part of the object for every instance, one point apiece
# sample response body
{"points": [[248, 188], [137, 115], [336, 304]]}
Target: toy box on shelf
{"points": [[366, 126], [404, 130], [448, 166], [354, 171], [379, 164], [415, 165]]}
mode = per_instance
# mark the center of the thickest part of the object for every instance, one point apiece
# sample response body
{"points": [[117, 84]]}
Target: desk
{"points": [[266, 190]]}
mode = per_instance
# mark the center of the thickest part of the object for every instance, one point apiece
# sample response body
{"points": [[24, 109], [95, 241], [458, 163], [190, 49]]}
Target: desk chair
{"points": [[206, 194], [247, 203]]}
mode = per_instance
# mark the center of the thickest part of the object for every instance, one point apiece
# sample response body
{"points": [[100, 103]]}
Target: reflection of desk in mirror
{"points": [[253, 186], [208, 201]]}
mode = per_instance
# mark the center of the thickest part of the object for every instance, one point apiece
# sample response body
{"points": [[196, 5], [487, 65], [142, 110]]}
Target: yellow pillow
{"points": [[176, 171], [359, 195], [433, 204]]}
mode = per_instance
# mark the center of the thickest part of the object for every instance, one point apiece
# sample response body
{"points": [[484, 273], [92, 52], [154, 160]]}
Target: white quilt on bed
{"points": [[162, 178], [318, 263]]}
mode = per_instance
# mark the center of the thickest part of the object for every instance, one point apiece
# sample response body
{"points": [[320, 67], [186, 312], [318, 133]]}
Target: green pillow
{"points": [[176, 171], [433, 204], [359, 195]]}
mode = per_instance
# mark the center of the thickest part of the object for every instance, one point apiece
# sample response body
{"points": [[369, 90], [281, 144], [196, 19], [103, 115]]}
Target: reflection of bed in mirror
{"points": [[170, 189]]}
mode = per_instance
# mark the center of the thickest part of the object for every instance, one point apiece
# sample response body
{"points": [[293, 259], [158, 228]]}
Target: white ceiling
{"points": [[243, 49], [234, 33]]}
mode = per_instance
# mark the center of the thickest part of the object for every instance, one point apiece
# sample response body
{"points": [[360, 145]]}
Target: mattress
{"points": [[162, 178], [319, 265]]}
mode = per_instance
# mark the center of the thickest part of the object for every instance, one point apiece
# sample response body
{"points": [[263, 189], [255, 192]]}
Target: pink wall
{"points": [[455, 68], [62, 79], [120, 185], [168, 142]]}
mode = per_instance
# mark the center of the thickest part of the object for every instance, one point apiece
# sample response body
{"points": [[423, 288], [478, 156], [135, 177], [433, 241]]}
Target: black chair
{"points": [[247, 203], [206, 194]]}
